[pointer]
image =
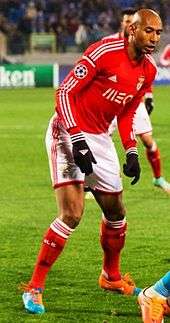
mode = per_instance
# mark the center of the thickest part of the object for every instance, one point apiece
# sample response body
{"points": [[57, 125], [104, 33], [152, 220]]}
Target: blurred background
{"points": [[50, 31]]}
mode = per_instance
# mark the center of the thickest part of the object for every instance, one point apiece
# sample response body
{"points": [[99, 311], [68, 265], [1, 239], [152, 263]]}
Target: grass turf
{"points": [[28, 206]]}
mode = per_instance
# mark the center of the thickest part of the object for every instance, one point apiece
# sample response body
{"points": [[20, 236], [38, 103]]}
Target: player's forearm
{"points": [[127, 135], [129, 144]]}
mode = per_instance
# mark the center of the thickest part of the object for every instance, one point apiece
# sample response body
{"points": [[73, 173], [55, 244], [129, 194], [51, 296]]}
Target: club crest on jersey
{"points": [[80, 71], [141, 80]]}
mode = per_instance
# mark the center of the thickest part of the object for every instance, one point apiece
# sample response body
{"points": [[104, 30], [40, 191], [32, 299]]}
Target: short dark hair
{"points": [[128, 11]]}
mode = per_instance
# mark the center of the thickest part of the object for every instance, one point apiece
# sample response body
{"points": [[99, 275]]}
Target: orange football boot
{"points": [[124, 286], [152, 308]]}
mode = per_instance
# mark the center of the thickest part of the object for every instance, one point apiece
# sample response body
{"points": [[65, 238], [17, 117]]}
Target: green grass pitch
{"points": [[28, 207]]}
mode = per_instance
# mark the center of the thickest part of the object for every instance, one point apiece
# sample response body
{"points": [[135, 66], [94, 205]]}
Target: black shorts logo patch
{"points": [[80, 71]]}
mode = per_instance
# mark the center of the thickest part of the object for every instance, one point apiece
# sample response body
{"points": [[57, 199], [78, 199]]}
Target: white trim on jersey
{"points": [[108, 50], [72, 82], [113, 46], [115, 42], [89, 60], [65, 104]]}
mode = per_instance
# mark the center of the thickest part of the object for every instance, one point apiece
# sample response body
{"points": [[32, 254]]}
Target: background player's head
{"points": [[126, 20], [145, 31]]}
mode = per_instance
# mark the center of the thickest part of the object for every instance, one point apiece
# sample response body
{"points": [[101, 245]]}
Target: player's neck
{"points": [[133, 53]]}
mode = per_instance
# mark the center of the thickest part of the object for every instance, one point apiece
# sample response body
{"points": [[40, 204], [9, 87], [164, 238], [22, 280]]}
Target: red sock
{"points": [[53, 244], [112, 241], [154, 160], [51, 248]]}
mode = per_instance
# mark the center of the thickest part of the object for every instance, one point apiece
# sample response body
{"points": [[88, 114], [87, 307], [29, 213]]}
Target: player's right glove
{"points": [[132, 167], [149, 104], [82, 154]]}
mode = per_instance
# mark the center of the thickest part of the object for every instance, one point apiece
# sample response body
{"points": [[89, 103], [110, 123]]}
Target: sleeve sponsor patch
{"points": [[80, 71]]}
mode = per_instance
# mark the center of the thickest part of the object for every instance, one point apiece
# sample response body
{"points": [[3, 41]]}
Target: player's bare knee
{"points": [[72, 214], [115, 211], [112, 206], [115, 214], [71, 220]]}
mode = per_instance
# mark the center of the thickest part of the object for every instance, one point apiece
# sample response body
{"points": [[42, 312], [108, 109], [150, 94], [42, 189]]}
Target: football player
{"points": [[109, 80], [142, 122], [155, 300]]}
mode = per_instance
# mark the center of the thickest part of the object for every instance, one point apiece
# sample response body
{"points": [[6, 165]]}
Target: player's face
{"points": [[147, 35], [126, 22]]}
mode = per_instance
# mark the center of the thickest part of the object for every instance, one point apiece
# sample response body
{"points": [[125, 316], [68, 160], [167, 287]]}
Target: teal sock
{"points": [[162, 286], [136, 291]]}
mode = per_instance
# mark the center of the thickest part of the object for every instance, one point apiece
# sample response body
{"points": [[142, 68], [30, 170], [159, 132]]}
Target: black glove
{"points": [[149, 104], [132, 167], [82, 154]]}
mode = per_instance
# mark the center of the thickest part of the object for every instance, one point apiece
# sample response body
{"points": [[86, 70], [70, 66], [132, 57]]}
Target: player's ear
{"points": [[132, 29]]}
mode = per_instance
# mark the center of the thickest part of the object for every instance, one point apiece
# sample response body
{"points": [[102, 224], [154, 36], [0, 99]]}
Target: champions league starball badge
{"points": [[80, 71]]}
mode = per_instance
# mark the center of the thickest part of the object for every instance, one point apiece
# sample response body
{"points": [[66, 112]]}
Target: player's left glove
{"points": [[149, 104], [82, 154], [132, 167]]}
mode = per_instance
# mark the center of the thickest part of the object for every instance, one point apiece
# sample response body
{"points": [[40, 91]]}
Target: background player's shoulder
{"points": [[116, 36]]}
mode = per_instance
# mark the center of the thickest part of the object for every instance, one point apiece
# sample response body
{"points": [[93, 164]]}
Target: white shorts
{"points": [[141, 124], [106, 175]]}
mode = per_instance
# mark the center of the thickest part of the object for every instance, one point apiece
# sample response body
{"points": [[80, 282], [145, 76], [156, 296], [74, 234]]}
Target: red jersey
{"points": [[105, 83], [119, 36]]}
